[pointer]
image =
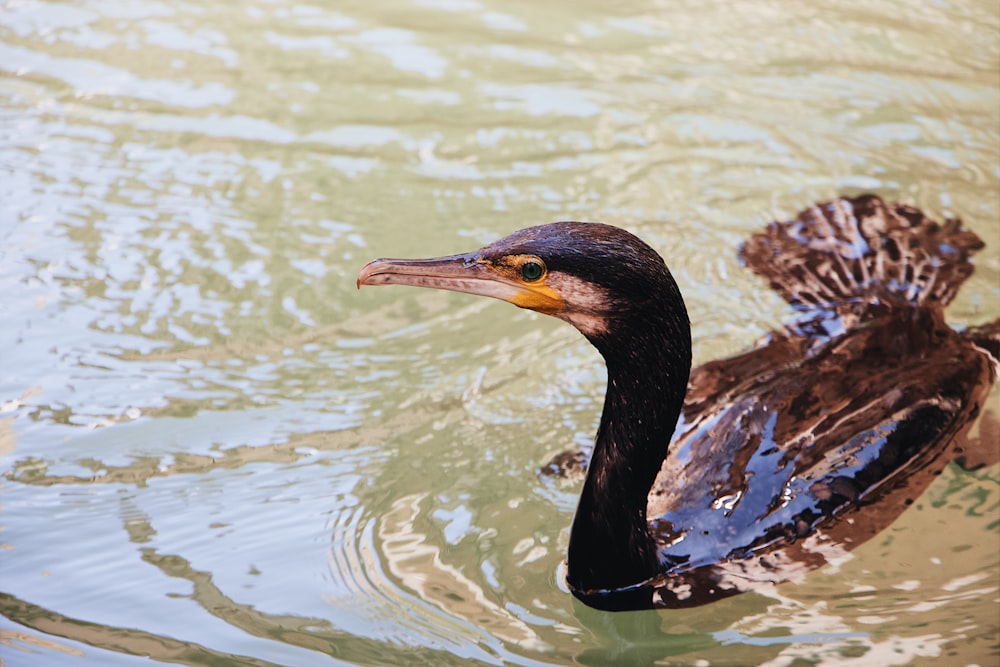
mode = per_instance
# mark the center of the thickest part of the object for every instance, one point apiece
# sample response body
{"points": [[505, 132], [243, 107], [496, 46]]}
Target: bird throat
{"points": [[648, 362]]}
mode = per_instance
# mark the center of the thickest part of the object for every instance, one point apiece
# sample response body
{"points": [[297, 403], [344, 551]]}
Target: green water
{"points": [[214, 450]]}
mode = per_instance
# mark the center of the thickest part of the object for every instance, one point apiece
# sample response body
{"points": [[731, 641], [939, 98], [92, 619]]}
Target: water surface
{"points": [[215, 450]]}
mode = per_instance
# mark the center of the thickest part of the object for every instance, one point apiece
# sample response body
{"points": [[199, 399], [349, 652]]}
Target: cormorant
{"points": [[756, 468]]}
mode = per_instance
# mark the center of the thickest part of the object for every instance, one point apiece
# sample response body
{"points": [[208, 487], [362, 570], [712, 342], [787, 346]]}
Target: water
{"points": [[215, 450]]}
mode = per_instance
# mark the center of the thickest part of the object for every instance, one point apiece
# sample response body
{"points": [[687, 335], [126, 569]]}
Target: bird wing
{"points": [[792, 443]]}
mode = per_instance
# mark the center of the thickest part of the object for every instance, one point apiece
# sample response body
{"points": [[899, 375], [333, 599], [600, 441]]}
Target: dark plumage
{"points": [[842, 414]]}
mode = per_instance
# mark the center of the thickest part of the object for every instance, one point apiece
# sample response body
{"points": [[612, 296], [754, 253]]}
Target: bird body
{"points": [[706, 483]]}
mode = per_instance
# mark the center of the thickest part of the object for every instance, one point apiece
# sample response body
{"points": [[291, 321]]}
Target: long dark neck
{"points": [[648, 360]]}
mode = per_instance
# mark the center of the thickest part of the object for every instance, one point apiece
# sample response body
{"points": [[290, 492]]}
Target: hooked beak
{"points": [[467, 273]]}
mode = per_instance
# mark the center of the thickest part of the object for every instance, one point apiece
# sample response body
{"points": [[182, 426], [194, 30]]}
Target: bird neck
{"points": [[648, 362]]}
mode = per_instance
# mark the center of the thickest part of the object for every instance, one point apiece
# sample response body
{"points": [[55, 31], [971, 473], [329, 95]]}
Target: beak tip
{"points": [[365, 273]]}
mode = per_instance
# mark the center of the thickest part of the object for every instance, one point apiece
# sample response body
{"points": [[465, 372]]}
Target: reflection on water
{"points": [[214, 449]]}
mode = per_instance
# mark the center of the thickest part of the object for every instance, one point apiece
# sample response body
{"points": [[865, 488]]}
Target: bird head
{"points": [[591, 275]]}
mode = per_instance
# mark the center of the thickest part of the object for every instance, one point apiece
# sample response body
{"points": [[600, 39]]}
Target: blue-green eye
{"points": [[532, 271]]}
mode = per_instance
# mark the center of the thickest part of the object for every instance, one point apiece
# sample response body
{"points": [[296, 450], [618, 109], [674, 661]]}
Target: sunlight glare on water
{"points": [[216, 450]]}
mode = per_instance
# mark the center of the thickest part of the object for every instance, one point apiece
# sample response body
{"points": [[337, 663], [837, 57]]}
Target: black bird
{"points": [[757, 468]]}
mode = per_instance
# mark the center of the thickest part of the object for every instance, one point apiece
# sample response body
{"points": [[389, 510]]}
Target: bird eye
{"points": [[532, 271]]}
